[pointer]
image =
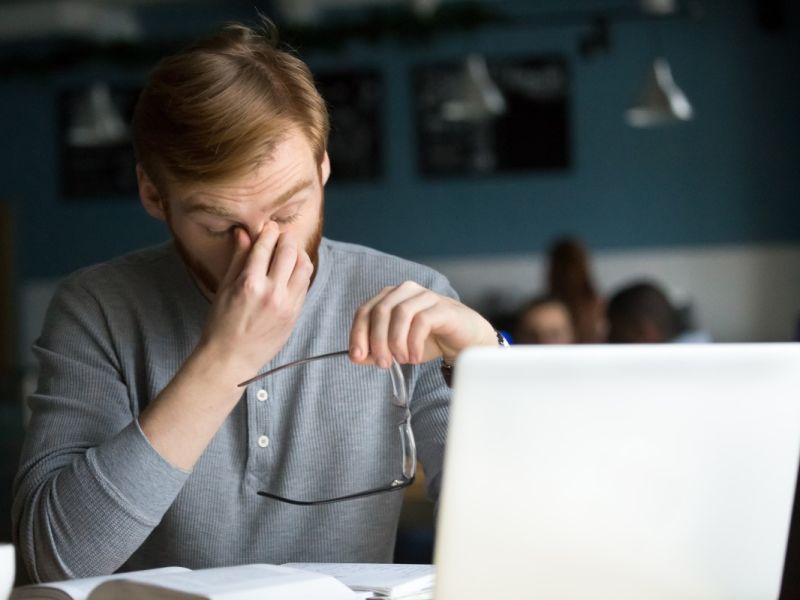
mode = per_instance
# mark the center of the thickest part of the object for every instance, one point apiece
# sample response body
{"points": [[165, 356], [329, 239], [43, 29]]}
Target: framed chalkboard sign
{"points": [[478, 117], [354, 99], [97, 160]]}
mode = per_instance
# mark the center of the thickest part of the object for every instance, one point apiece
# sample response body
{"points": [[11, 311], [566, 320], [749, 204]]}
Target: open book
{"points": [[295, 581]]}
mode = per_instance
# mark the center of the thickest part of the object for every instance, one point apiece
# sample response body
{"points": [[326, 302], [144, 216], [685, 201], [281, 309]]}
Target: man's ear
{"points": [[149, 195], [325, 168]]}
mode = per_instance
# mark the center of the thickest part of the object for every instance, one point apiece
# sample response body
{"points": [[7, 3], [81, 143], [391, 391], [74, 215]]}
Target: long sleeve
{"points": [[90, 487], [430, 411]]}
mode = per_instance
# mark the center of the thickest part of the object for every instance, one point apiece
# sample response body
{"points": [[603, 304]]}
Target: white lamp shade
{"points": [[96, 120], [661, 101], [480, 98]]}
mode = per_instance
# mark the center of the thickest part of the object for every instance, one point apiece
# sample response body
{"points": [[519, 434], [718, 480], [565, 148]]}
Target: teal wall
{"points": [[729, 176]]}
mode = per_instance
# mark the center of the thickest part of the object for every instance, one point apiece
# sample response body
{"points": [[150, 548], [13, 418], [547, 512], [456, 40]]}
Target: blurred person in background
{"points": [[641, 313], [570, 280], [543, 320]]}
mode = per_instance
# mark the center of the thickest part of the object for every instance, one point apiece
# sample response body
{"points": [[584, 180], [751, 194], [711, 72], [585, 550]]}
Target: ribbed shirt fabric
{"points": [[93, 497]]}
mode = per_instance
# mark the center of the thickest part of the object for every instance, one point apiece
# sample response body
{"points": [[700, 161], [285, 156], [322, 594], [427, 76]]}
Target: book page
{"points": [[382, 579], [245, 582], [79, 589]]}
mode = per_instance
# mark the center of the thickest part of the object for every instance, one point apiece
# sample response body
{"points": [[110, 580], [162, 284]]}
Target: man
{"points": [[143, 450]]}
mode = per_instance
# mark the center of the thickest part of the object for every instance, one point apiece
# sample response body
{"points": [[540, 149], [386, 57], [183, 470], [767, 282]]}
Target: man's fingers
{"points": [[420, 342], [374, 320], [284, 259], [402, 317], [300, 278], [380, 319], [359, 332], [258, 260], [242, 241]]}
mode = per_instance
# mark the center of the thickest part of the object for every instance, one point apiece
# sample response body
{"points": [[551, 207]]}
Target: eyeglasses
{"points": [[408, 445]]}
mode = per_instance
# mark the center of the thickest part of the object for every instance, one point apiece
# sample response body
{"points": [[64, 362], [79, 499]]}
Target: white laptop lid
{"points": [[619, 472]]}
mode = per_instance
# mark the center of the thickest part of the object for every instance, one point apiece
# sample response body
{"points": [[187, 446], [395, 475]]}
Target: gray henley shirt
{"points": [[93, 497]]}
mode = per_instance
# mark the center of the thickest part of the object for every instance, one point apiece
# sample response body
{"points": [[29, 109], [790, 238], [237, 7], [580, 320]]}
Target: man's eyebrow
{"points": [[221, 211], [288, 194], [212, 209]]}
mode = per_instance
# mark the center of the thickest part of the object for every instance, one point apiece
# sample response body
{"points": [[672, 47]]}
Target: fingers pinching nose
{"points": [[264, 229], [241, 236]]}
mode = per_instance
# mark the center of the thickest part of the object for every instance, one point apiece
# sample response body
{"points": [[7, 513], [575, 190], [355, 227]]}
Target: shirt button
{"points": [[262, 395], [263, 441]]}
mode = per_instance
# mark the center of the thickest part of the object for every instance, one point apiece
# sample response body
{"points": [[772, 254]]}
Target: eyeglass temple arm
{"points": [[292, 364], [404, 483]]}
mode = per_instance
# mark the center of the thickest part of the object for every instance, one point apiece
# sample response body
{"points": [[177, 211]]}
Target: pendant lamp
{"points": [[479, 97], [661, 101]]}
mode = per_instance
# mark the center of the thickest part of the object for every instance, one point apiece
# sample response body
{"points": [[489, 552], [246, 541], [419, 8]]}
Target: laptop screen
{"points": [[619, 472]]}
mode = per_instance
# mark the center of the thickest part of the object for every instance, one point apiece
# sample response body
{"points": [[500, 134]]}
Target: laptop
{"points": [[661, 471]]}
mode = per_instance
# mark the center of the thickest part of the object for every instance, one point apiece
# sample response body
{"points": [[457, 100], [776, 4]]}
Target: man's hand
{"points": [[414, 325], [258, 301], [255, 308]]}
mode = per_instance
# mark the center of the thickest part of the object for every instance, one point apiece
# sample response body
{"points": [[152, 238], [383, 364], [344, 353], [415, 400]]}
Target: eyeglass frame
{"points": [[407, 441]]}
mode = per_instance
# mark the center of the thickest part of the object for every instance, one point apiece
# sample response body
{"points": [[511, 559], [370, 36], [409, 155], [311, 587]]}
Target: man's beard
{"points": [[210, 283]]}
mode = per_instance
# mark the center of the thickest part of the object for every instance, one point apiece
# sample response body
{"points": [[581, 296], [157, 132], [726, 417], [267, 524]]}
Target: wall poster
{"points": [[354, 100], [479, 116], [96, 156]]}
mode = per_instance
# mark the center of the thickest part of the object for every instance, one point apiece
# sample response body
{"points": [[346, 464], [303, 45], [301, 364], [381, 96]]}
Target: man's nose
{"points": [[255, 228]]}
